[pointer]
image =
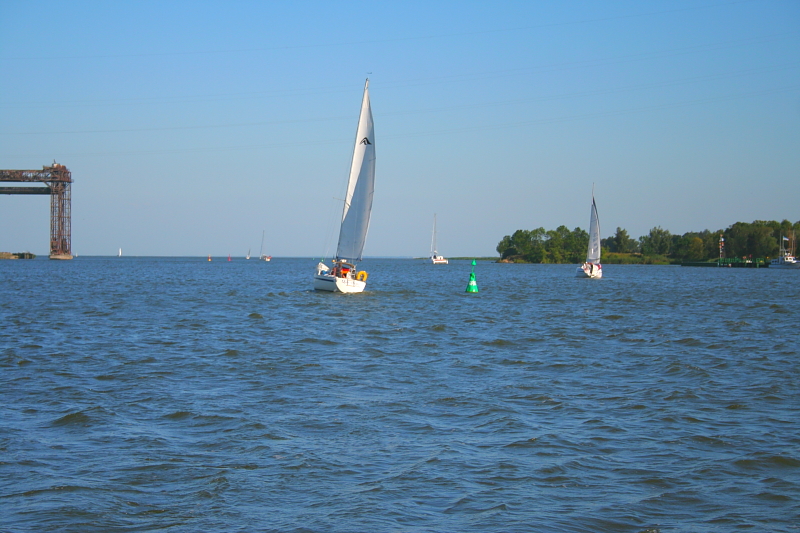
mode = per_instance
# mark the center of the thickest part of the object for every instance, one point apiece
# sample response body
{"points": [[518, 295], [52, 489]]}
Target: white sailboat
{"points": [[786, 258], [261, 255], [120, 253], [436, 259], [592, 268], [344, 276], [248, 254]]}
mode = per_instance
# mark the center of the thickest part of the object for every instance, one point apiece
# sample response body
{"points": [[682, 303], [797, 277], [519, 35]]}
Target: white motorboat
{"points": [[344, 276], [592, 267]]}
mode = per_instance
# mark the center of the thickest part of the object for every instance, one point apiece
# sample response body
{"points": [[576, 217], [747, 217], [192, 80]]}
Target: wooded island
{"points": [[759, 238]]}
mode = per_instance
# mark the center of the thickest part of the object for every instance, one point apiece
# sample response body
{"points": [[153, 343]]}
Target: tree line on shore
{"points": [[760, 238]]}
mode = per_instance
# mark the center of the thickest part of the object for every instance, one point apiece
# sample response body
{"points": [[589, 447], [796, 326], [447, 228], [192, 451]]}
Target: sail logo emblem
{"points": [[365, 141]]}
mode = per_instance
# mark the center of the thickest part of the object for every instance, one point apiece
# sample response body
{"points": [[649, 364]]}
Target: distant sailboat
{"points": [[120, 253], [248, 254], [344, 276], [592, 268], [261, 255], [436, 259]]}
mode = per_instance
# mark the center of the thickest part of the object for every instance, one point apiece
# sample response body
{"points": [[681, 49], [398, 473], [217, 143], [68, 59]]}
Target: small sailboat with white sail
{"points": [[261, 255], [592, 268], [119, 254], [436, 259], [344, 275]]}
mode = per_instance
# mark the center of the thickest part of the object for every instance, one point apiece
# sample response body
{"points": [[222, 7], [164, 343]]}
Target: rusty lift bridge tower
{"points": [[59, 182]]}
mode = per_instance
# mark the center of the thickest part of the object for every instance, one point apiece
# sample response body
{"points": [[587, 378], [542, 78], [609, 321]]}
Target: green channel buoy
{"points": [[472, 286]]}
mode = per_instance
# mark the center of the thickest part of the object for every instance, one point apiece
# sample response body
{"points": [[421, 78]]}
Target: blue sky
{"points": [[191, 127]]}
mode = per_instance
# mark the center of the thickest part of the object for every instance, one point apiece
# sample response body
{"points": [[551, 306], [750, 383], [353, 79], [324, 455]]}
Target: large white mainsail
{"points": [[593, 254], [343, 276], [592, 268], [360, 187]]}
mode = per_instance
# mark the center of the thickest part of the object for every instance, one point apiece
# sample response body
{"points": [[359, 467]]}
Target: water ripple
{"points": [[179, 395]]}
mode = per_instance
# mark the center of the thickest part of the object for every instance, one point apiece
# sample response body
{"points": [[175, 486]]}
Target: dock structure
{"points": [[58, 182], [730, 262]]}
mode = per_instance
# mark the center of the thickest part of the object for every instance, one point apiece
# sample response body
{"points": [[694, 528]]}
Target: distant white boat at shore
{"points": [[436, 259], [785, 258], [261, 255]]}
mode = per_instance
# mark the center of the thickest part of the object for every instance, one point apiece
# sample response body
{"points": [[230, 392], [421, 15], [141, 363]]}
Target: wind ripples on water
{"points": [[176, 394]]}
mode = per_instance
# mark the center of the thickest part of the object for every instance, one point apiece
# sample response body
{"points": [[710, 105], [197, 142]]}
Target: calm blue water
{"points": [[174, 394]]}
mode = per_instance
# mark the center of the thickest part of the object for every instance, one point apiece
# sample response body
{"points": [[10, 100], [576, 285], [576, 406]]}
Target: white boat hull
{"points": [[786, 259], [343, 277], [439, 260], [590, 270], [775, 263], [323, 282]]}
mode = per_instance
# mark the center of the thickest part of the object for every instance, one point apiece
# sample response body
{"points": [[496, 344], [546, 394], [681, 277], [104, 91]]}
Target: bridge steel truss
{"points": [[58, 180]]}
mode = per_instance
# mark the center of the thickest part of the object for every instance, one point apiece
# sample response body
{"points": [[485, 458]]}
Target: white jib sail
{"points": [[593, 254], [360, 187]]}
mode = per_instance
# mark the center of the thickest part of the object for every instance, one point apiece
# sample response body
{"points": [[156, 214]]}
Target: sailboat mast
{"points": [[433, 237]]}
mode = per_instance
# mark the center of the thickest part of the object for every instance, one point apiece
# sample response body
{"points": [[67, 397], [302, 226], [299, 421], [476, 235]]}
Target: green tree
{"points": [[504, 247], [577, 245], [657, 242], [694, 246], [514, 245], [564, 246], [537, 252], [555, 244], [751, 240], [524, 245], [620, 243], [696, 250], [688, 247]]}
